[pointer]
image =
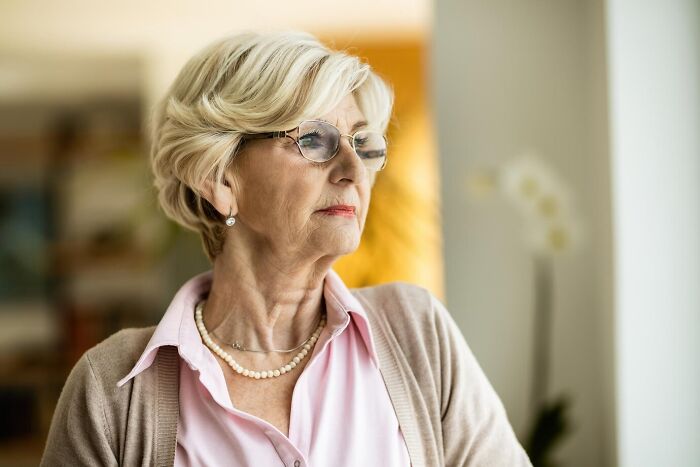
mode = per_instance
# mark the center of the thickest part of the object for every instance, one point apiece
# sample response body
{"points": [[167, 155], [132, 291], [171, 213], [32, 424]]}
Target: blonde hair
{"points": [[246, 83]]}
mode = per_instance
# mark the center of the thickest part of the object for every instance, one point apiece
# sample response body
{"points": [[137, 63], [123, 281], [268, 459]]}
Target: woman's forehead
{"points": [[353, 124], [346, 114]]}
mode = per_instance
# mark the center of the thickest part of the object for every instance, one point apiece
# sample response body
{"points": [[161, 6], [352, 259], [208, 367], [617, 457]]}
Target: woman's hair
{"points": [[246, 83]]}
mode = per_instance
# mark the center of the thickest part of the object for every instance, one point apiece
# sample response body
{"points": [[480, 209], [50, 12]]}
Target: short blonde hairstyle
{"points": [[247, 83]]}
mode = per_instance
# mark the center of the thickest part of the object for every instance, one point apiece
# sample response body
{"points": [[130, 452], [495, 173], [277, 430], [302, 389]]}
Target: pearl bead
{"points": [[292, 364], [296, 359], [276, 373], [256, 374], [246, 372], [287, 368]]}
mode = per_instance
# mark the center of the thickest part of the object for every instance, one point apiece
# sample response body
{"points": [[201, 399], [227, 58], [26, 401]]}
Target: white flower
{"points": [[555, 237], [533, 188], [539, 195], [544, 201]]}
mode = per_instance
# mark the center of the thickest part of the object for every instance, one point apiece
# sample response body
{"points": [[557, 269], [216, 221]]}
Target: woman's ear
{"points": [[221, 196]]}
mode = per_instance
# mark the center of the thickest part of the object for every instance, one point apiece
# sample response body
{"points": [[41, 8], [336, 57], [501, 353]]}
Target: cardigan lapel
{"points": [[396, 385], [167, 405]]}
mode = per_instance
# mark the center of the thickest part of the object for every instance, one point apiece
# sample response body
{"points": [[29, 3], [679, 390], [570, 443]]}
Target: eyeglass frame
{"points": [[285, 134]]}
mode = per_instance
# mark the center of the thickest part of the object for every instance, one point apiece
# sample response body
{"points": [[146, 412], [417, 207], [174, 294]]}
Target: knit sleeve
{"points": [[475, 427], [79, 434]]}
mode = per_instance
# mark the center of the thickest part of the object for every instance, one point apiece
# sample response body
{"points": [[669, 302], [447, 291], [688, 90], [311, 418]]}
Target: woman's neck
{"points": [[264, 307]]}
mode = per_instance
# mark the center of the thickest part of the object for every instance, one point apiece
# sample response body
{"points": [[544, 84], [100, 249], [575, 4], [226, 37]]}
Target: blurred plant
{"points": [[551, 229], [539, 196]]}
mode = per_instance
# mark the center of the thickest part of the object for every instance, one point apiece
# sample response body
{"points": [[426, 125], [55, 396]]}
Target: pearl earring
{"points": [[230, 220]]}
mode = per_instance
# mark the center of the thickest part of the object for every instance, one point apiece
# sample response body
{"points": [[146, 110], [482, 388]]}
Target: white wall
{"points": [[654, 68], [511, 75]]}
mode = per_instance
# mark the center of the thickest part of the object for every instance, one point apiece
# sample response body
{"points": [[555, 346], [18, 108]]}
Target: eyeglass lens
{"points": [[319, 142]]}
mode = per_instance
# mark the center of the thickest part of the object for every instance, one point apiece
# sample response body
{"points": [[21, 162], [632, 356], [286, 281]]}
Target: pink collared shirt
{"points": [[341, 413]]}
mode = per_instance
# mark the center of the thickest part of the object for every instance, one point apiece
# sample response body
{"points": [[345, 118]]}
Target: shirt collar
{"points": [[336, 293], [176, 329]]}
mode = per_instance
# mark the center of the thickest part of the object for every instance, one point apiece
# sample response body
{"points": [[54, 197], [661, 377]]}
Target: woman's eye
{"points": [[310, 139]]}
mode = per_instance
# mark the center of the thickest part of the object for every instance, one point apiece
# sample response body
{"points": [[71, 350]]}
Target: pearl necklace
{"points": [[245, 371]]}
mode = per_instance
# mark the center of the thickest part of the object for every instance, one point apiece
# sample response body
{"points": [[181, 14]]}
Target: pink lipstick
{"points": [[339, 210]]}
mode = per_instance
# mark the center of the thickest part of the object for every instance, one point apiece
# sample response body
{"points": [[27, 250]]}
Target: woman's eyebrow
{"points": [[357, 125]]}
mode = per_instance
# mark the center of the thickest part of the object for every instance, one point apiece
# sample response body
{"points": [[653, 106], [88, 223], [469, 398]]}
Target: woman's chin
{"points": [[342, 248]]}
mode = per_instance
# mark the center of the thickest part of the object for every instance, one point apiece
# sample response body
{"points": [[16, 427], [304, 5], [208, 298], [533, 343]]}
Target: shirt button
{"points": [[297, 463]]}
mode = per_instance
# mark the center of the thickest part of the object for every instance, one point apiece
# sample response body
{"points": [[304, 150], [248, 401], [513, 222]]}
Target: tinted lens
{"points": [[371, 147], [318, 141]]}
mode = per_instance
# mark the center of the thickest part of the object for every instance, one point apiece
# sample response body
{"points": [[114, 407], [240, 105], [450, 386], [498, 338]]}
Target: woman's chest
{"points": [[269, 400], [335, 412]]}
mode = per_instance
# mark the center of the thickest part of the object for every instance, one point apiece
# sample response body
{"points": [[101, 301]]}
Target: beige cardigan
{"points": [[447, 410]]}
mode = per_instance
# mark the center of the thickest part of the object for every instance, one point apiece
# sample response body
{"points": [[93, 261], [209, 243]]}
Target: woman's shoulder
{"points": [[91, 412], [398, 299], [409, 316], [126, 342], [114, 357], [415, 319]]}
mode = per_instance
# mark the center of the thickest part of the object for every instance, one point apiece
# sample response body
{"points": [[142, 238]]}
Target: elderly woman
{"points": [[268, 145]]}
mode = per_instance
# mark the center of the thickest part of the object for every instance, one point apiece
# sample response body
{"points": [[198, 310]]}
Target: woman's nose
{"points": [[349, 140], [352, 165]]}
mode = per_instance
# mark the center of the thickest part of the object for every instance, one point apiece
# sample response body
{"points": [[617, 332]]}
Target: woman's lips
{"points": [[339, 211]]}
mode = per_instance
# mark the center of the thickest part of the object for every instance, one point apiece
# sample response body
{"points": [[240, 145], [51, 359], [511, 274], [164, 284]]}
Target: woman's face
{"points": [[279, 194]]}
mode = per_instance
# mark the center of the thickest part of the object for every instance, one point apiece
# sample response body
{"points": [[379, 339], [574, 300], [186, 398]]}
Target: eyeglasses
{"points": [[319, 141]]}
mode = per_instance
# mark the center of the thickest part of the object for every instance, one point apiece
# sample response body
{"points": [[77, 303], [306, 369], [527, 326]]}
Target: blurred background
{"points": [[544, 183]]}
